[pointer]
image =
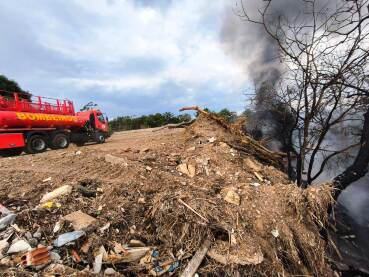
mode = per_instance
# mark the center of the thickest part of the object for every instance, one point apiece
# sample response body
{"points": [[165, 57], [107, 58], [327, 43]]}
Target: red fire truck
{"points": [[33, 124]]}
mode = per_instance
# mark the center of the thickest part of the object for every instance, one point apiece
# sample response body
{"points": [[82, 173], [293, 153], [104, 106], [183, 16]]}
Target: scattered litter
{"points": [[212, 139], [4, 210], [78, 152], [76, 258], [196, 260], [255, 184], [7, 220], [61, 191], [136, 243], [68, 237], [19, 246], [80, 220], [104, 228], [47, 180], [130, 254], [275, 233], [110, 271], [86, 245], [58, 226], [50, 205], [37, 257], [141, 200], [98, 263], [38, 233]]}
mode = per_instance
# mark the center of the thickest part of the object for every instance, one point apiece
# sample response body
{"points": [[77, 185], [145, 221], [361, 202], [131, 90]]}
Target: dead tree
{"points": [[324, 51]]}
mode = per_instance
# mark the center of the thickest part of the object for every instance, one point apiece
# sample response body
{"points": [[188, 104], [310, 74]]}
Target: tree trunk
{"points": [[360, 166]]}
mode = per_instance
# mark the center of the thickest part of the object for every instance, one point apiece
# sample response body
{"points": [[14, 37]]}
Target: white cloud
{"points": [[96, 38]]}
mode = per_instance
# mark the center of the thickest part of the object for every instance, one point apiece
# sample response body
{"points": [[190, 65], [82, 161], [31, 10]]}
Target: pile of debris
{"points": [[212, 201]]}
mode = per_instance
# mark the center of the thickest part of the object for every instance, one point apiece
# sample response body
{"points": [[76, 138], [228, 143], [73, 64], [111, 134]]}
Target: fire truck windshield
{"points": [[101, 118]]}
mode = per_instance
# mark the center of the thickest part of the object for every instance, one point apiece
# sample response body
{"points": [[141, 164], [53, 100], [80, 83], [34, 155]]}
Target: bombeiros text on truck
{"points": [[33, 124]]}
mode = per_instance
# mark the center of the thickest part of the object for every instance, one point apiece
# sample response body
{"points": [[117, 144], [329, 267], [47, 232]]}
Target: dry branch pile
{"points": [[212, 191]]}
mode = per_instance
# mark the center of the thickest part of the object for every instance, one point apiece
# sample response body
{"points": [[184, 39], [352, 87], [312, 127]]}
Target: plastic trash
{"points": [[68, 237], [19, 246], [61, 191], [4, 210], [7, 220]]}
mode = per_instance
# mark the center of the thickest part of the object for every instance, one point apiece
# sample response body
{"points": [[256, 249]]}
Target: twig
{"points": [[191, 209], [172, 126], [193, 108]]}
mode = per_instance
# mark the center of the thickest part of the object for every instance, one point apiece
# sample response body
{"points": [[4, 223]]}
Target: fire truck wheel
{"points": [[11, 152], [60, 141], [99, 138], [36, 144]]}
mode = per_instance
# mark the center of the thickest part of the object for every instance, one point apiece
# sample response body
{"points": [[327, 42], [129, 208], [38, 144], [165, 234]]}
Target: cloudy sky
{"points": [[132, 57]]}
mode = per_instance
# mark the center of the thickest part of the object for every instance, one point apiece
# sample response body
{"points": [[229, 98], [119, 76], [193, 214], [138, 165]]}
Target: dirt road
{"points": [[22, 176]]}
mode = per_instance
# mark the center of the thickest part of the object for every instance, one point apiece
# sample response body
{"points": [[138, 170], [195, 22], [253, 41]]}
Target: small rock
{"points": [[33, 242], [78, 152], [115, 160], [189, 170], [19, 246], [55, 257], [28, 235], [223, 144], [148, 168], [203, 161], [110, 271], [232, 197]]}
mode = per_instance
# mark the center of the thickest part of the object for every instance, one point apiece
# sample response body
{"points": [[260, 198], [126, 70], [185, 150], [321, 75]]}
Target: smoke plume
{"points": [[248, 44]]}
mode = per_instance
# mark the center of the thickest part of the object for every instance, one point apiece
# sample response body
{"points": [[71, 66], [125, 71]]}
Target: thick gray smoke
{"points": [[248, 43], [250, 46]]}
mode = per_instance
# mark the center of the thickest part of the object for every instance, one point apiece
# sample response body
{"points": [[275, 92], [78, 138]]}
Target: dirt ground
{"points": [[171, 190]]}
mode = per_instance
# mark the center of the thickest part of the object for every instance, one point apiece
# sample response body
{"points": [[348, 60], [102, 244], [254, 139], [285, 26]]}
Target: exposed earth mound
{"points": [[145, 202]]}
